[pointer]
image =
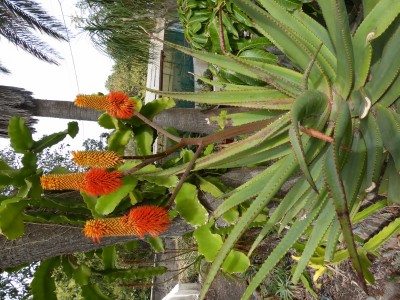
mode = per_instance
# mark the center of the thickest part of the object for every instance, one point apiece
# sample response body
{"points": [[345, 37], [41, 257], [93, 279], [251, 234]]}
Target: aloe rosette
{"points": [[334, 117]]}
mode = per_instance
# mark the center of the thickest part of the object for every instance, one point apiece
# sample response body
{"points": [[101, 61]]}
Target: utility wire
{"points": [[73, 63], [70, 48]]}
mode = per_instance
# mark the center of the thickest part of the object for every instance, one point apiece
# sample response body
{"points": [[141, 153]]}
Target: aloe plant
{"points": [[334, 117]]}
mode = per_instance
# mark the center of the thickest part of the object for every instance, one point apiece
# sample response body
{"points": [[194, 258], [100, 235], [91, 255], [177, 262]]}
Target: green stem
{"points": [[184, 175]]}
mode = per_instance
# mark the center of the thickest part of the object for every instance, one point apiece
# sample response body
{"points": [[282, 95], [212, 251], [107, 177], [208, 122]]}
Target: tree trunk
{"points": [[42, 241], [63, 110], [18, 102]]}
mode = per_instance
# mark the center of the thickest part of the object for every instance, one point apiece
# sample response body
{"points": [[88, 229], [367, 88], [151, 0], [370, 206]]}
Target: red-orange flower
{"points": [[97, 159], [149, 219], [116, 104], [121, 106], [140, 221], [95, 182], [101, 182]]}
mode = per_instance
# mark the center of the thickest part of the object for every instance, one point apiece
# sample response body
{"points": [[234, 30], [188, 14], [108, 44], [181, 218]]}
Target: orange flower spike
{"points": [[70, 181], [96, 229], [101, 182], [97, 159], [141, 220], [120, 105], [98, 102], [149, 219]]}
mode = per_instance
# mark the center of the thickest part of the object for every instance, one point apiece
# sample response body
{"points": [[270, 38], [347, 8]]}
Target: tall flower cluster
{"points": [[95, 182], [140, 221], [97, 159], [116, 104]]}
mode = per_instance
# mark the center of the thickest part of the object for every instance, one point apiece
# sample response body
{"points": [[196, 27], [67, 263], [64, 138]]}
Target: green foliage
{"points": [[20, 136], [107, 203], [116, 27], [43, 285], [189, 206], [127, 77]]}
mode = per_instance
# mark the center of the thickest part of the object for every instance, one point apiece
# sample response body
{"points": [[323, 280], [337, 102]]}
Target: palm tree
{"points": [[18, 21]]}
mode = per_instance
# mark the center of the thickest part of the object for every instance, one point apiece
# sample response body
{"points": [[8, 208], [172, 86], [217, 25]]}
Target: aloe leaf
{"points": [[339, 196], [386, 71], [272, 148], [365, 264], [225, 85], [316, 29], [371, 28], [354, 170], [257, 98], [283, 79], [336, 186], [258, 157], [335, 15], [249, 189], [320, 227], [283, 247], [373, 141], [226, 62], [392, 93], [284, 37], [43, 285], [309, 104], [326, 59], [270, 189], [362, 215], [389, 126], [234, 149], [298, 192], [387, 232], [333, 234], [393, 193]]}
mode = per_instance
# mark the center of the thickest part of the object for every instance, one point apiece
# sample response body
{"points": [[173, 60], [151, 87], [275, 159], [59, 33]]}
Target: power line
{"points": [[82, 124], [70, 48]]}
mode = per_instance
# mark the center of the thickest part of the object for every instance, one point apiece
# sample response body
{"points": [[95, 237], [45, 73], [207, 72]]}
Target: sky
{"points": [[53, 82]]}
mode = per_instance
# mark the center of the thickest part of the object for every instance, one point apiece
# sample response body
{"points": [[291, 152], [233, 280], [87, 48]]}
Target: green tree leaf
{"points": [[92, 291], [82, 274], [156, 243], [11, 218], [43, 285], [189, 206], [54, 138], [20, 136], [107, 203], [109, 256], [73, 129]]}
